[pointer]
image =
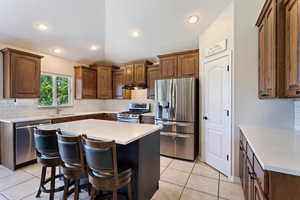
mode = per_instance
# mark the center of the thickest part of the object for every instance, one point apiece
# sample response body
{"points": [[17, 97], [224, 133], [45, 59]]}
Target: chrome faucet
{"points": [[58, 109]]}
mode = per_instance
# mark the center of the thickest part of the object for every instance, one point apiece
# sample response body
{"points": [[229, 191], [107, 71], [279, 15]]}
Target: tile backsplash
{"points": [[297, 115], [10, 108]]}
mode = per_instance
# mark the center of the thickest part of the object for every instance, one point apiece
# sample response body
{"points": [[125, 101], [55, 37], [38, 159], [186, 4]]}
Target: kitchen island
{"points": [[138, 148]]}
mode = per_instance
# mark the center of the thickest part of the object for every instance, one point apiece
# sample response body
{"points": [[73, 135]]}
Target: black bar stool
{"points": [[48, 156], [101, 158], [73, 166]]}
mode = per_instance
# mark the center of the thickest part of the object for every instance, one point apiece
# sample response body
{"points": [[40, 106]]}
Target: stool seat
{"points": [[48, 156]]}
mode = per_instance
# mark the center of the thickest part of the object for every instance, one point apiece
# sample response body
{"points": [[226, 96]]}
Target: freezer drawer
{"points": [[167, 145], [185, 146], [177, 145]]}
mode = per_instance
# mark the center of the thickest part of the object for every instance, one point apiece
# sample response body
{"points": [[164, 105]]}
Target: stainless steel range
{"points": [[134, 113]]}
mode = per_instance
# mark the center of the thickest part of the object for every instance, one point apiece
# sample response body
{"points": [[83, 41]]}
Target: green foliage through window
{"points": [[54, 90]]}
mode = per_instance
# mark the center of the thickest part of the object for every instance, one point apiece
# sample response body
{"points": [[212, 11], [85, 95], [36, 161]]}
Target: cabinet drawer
{"points": [[250, 154], [261, 176]]}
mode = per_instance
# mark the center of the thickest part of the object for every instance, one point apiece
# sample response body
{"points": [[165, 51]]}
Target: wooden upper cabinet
{"points": [[136, 73], [129, 73], [267, 53], [21, 74], [85, 83], [292, 29], [188, 65], [180, 65], [118, 83], [153, 73], [140, 75], [168, 67], [104, 81]]}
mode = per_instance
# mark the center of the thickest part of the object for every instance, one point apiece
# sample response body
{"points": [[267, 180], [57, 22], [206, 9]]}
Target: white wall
{"points": [[248, 108], [220, 29]]}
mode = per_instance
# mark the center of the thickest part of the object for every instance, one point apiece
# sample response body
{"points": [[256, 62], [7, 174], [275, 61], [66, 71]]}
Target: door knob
{"points": [[205, 118]]}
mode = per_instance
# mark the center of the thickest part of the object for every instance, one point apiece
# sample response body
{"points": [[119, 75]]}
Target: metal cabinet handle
{"points": [[264, 95]]}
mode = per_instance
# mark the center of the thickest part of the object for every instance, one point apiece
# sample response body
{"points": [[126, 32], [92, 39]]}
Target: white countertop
{"points": [[122, 132], [52, 116], [276, 149]]}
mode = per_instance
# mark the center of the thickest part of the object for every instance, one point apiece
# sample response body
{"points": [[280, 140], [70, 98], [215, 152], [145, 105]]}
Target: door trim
{"points": [[228, 53]]}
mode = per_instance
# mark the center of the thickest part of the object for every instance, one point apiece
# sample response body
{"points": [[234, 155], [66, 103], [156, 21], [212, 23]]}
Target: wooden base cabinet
{"points": [[21, 74], [260, 184]]}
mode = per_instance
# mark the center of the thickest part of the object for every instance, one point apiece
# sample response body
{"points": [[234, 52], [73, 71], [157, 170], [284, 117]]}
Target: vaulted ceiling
{"points": [[75, 25]]}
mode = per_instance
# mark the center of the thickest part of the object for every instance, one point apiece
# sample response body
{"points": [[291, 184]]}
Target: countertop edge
{"points": [[268, 167], [44, 117]]}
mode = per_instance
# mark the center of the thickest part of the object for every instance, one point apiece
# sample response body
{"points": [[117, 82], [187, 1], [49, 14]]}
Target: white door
{"points": [[217, 113]]}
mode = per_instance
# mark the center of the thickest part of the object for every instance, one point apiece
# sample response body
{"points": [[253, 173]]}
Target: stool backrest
{"points": [[70, 149], [101, 157], [46, 141]]}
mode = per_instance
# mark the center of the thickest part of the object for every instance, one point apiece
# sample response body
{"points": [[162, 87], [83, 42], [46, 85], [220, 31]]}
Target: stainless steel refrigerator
{"points": [[176, 102]]}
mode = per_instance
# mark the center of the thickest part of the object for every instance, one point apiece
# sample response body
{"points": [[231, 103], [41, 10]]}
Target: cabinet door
{"points": [[257, 193], [291, 9], [242, 165], [140, 73], [153, 74], [118, 83], [168, 66], [250, 182], [267, 54], [25, 74], [104, 90], [129, 73], [188, 65], [89, 84]]}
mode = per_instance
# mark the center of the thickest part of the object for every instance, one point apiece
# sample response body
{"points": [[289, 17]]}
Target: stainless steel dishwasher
{"points": [[24, 141]]}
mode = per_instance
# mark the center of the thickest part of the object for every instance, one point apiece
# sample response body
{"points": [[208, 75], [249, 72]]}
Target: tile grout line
{"points": [[219, 186], [2, 195], [190, 174]]}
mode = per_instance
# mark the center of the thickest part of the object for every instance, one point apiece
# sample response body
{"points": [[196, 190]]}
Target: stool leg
{"points": [[43, 177], [77, 190], [52, 185], [129, 195], [93, 193], [66, 188], [115, 195]]}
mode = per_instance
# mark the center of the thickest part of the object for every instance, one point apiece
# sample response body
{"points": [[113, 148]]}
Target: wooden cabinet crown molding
{"points": [[21, 74], [9, 50], [179, 53]]}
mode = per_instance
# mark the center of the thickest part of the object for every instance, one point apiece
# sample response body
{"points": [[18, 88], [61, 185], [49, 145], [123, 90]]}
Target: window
{"points": [[55, 90]]}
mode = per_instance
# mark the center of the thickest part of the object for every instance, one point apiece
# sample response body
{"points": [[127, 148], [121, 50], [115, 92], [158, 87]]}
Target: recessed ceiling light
{"points": [[135, 34], [42, 27], [94, 48], [57, 51], [193, 19]]}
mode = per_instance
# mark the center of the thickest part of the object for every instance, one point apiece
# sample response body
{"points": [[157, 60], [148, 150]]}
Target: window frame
{"points": [[54, 90]]}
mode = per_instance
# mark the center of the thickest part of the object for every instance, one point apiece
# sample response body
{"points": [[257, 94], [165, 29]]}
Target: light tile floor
{"points": [[180, 180]]}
